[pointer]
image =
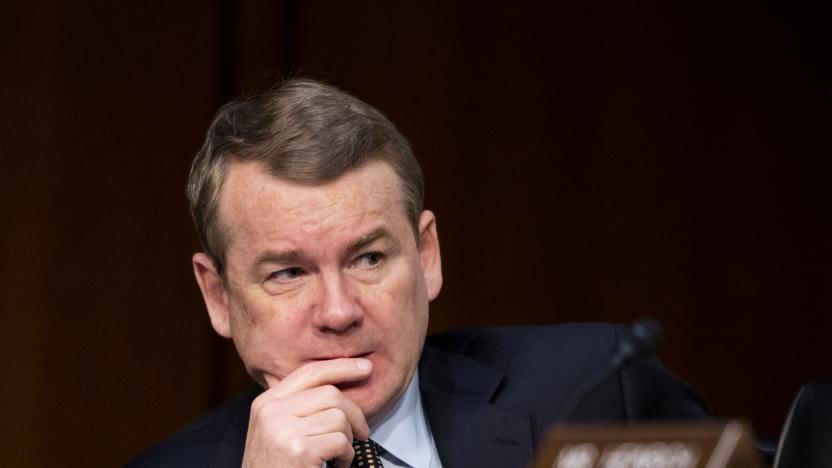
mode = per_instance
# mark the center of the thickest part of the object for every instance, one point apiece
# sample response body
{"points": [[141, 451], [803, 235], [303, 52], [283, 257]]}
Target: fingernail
{"points": [[363, 364]]}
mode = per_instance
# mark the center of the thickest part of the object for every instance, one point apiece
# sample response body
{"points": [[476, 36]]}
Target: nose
{"points": [[338, 310]]}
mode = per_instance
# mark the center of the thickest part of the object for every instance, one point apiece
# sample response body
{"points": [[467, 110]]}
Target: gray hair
{"points": [[301, 130]]}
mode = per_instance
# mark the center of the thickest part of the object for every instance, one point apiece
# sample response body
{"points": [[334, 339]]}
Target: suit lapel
{"points": [[458, 395]]}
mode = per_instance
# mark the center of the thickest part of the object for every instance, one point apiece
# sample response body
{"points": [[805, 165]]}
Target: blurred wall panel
{"points": [[25, 209], [105, 343]]}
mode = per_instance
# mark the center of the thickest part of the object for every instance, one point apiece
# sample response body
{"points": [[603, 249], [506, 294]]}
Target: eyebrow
{"points": [[296, 256], [271, 256], [366, 240]]}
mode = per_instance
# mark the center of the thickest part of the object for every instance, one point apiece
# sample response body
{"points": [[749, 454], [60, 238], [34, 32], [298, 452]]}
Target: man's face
{"points": [[323, 271]]}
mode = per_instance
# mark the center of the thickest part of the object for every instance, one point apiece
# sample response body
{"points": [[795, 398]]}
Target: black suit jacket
{"points": [[489, 395]]}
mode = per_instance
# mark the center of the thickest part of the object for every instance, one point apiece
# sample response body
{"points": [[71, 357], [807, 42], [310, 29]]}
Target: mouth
{"points": [[343, 356]]}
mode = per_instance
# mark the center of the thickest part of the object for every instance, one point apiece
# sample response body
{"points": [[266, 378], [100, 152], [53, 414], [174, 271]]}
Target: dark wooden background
{"points": [[587, 161]]}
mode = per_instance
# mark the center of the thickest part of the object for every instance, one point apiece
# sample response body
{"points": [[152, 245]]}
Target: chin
{"points": [[372, 401]]}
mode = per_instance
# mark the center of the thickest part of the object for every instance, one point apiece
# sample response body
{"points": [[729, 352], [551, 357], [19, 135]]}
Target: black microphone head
{"points": [[649, 331], [641, 339], [644, 337]]}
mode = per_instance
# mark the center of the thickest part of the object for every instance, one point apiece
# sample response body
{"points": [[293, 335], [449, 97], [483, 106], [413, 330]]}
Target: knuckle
{"points": [[256, 410], [338, 414], [310, 371], [330, 391], [257, 404], [344, 440], [265, 409], [295, 447], [285, 433]]}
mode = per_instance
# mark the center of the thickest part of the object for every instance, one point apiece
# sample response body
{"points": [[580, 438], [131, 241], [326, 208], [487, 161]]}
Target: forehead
{"points": [[256, 206]]}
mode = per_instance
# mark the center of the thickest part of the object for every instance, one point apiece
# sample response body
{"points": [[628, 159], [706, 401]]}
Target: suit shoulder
{"points": [[590, 340], [196, 444], [543, 365], [521, 332], [189, 447]]}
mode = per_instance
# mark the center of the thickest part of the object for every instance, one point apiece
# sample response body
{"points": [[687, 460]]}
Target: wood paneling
{"points": [[105, 104]]}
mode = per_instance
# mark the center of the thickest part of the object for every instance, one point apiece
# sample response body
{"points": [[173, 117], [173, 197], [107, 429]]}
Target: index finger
{"points": [[317, 373]]}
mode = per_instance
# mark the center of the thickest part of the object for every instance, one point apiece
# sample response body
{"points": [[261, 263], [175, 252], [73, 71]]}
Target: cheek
{"points": [[397, 296], [402, 309], [260, 332], [248, 314], [408, 284], [254, 311]]}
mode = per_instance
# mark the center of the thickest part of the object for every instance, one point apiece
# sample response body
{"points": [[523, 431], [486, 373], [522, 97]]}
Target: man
{"points": [[319, 262]]}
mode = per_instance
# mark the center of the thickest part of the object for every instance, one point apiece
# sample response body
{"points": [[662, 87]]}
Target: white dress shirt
{"points": [[404, 434]]}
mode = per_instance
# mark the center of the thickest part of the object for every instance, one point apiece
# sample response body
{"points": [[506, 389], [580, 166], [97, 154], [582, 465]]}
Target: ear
{"points": [[214, 293], [429, 254]]}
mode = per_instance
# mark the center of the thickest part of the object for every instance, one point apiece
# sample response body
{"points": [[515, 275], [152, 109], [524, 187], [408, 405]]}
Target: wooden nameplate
{"points": [[705, 444]]}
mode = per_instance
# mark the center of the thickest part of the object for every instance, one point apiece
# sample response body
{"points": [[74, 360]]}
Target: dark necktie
{"points": [[366, 454]]}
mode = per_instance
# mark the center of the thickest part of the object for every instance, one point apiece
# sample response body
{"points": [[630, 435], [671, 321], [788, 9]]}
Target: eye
{"points": [[369, 259], [287, 274]]}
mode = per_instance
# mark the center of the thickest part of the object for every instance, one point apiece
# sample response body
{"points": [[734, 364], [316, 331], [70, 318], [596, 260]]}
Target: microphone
{"points": [[642, 338]]}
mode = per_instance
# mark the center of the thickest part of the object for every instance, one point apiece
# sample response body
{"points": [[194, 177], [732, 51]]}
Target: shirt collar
{"points": [[403, 432]]}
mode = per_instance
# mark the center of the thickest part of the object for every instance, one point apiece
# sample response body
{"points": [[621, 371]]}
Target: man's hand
{"points": [[304, 420]]}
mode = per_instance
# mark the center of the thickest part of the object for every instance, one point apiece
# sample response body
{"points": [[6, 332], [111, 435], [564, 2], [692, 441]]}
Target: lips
{"points": [[344, 355]]}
